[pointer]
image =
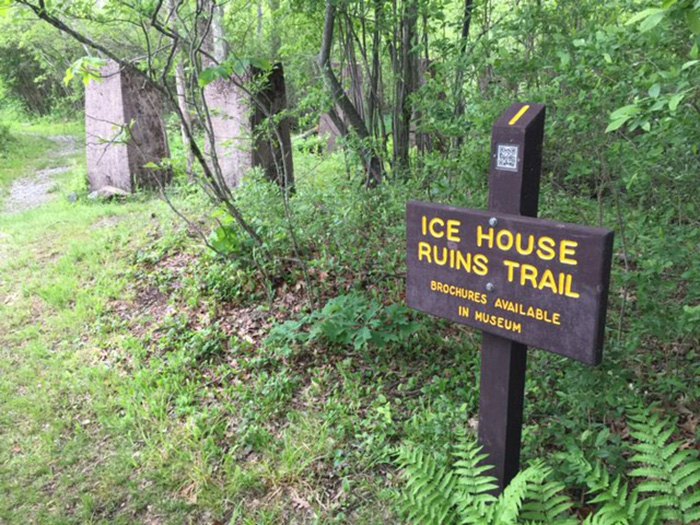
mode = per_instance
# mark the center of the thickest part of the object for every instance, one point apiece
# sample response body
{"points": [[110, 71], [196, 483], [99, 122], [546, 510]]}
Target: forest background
{"points": [[255, 362]]}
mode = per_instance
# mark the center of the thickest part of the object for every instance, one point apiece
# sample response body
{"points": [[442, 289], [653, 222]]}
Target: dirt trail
{"points": [[33, 191]]}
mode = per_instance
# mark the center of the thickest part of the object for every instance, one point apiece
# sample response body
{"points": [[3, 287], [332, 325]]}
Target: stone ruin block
{"points": [[230, 125], [273, 144], [240, 138], [125, 131]]}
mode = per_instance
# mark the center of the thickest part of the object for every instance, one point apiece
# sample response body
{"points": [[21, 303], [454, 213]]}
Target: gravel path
{"points": [[31, 192]]}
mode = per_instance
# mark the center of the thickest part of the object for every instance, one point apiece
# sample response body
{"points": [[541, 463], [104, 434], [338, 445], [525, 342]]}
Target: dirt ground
{"points": [[33, 191]]}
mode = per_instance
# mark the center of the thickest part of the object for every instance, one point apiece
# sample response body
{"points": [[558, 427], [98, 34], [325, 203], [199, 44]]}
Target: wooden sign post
{"points": [[523, 281], [514, 187]]}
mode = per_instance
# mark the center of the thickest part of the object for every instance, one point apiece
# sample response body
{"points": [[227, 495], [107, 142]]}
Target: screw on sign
{"points": [[521, 280]]}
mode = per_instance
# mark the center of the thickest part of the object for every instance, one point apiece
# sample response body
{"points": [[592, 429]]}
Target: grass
{"points": [[60, 268], [26, 145], [109, 417]]}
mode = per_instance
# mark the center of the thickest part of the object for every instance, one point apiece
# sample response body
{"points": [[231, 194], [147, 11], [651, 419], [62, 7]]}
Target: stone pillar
{"points": [[229, 113], [124, 132], [241, 141], [273, 144]]}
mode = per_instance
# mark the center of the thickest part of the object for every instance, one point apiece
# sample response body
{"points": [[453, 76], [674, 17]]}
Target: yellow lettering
{"points": [[508, 244], [548, 281], [480, 236], [453, 230], [431, 227], [462, 262], [555, 319], [439, 261], [519, 244], [567, 248], [500, 322], [424, 251], [528, 273], [512, 265], [481, 264], [545, 250], [567, 287]]}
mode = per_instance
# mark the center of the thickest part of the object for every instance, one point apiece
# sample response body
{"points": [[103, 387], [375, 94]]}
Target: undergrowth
{"points": [[663, 485]]}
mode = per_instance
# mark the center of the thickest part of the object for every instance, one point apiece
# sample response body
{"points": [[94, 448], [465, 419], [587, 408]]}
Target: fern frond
{"points": [[427, 497], [474, 486], [618, 505], [544, 502], [671, 475], [506, 509]]}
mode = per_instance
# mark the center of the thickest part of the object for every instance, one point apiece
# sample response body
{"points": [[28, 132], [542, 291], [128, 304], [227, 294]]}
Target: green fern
{"points": [[545, 502], [671, 475], [474, 485], [506, 510], [617, 504], [460, 491], [428, 495]]}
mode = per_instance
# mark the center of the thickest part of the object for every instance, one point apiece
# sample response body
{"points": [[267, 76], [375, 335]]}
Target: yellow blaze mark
{"points": [[519, 114]]}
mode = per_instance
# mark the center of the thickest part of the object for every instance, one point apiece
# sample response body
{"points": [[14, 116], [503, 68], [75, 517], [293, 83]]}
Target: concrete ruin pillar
{"points": [[241, 139], [272, 140], [229, 114], [124, 132]]}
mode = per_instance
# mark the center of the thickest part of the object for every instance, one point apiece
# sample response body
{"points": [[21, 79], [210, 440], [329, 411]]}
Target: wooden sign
{"points": [[521, 280], [537, 282]]}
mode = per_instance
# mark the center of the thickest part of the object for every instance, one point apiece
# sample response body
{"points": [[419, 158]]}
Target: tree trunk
{"points": [[459, 75], [275, 40], [406, 82], [373, 163], [181, 91]]}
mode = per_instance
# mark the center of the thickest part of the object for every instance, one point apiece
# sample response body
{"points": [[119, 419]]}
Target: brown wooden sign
{"points": [[537, 282]]}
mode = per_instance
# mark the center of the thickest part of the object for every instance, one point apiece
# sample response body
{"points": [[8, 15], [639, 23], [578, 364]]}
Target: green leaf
{"points": [[5, 6], [87, 68], [213, 74], [651, 22], [649, 18], [625, 111], [616, 124], [675, 100], [261, 63], [654, 90], [692, 18], [69, 76]]}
